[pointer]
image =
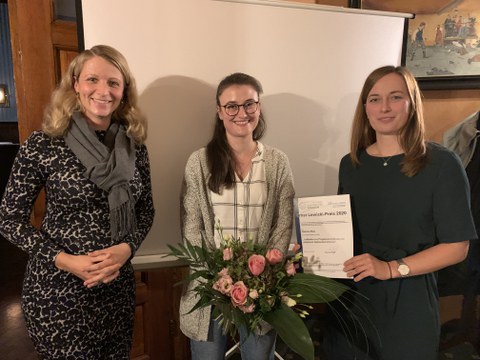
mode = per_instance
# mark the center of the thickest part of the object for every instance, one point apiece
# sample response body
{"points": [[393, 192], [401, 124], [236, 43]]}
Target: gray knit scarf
{"points": [[109, 166]]}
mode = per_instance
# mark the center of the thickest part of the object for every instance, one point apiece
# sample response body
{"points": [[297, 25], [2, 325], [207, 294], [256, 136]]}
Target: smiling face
{"points": [[100, 87], [241, 124], [388, 105]]}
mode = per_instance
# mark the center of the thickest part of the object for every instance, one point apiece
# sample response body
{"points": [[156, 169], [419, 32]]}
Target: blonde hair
{"points": [[412, 134], [64, 101]]}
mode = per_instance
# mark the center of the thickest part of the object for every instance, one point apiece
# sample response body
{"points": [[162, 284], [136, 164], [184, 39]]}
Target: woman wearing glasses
{"points": [[248, 187]]}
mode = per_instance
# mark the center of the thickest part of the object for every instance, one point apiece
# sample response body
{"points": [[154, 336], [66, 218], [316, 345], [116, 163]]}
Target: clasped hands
{"points": [[95, 268]]}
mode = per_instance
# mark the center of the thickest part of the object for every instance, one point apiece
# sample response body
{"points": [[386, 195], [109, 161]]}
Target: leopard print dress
{"points": [[65, 319]]}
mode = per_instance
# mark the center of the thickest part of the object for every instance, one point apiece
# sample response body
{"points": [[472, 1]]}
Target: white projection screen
{"points": [[311, 60]]}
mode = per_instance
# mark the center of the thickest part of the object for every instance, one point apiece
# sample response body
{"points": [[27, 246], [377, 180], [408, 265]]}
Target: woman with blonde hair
{"points": [[79, 288], [411, 216], [65, 102]]}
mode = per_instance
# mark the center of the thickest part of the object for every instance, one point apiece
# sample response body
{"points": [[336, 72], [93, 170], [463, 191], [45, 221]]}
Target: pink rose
{"points": [[223, 272], [227, 254], [256, 264], [224, 284], [274, 256], [290, 268], [239, 293]]}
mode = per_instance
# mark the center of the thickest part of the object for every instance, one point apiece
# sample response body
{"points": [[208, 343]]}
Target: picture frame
{"points": [[441, 42]]}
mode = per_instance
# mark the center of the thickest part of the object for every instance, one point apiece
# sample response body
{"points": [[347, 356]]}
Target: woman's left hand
{"points": [[362, 266], [107, 265]]}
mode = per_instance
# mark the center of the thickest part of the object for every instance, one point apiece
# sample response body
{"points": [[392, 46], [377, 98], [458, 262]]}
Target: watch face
{"points": [[403, 270]]}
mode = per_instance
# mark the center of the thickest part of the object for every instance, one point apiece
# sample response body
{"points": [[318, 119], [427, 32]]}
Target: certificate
{"points": [[324, 229]]}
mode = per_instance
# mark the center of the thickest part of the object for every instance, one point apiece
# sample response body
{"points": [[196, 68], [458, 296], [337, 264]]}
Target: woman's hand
{"points": [[101, 266], [78, 265], [362, 266], [426, 261], [107, 265]]}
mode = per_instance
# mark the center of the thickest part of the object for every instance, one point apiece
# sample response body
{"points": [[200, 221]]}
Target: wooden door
{"points": [[42, 47]]}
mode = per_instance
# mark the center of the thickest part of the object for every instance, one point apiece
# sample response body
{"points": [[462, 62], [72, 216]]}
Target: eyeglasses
{"points": [[232, 109]]}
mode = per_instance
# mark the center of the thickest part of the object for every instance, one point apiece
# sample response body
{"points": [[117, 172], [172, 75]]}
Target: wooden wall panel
{"points": [[138, 347], [65, 43], [33, 60], [164, 339], [445, 108], [64, 58], [139, 351]]}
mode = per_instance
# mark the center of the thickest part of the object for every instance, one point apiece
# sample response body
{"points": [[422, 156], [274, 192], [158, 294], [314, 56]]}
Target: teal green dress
{"points": [[396, 216]]}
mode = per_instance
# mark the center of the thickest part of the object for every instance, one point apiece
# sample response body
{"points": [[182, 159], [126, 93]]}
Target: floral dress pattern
{"points": [[65, 319]]}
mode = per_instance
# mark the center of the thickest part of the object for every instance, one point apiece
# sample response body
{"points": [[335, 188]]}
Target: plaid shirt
{"points": [[240, 208]]}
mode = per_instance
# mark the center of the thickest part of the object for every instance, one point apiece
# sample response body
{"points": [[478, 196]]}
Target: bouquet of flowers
{"points": [[248, 284]]}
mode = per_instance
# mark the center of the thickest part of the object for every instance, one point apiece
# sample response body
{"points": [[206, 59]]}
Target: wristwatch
{"points": [[403, 268]]}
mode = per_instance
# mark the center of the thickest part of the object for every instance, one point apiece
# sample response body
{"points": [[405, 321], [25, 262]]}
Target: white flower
{"points": [[288, 301], [253, 294]]}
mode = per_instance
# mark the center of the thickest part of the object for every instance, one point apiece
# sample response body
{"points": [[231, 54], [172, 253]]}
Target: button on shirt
{"points": [[240, 208]]}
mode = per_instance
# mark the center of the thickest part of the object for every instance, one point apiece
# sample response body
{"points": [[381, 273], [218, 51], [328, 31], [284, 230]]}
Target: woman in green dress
{"points": [[411, 215]]}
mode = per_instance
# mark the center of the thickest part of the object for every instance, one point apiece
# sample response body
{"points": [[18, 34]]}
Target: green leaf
{"points": [[204, 274], [291, 328], [314, 289]]}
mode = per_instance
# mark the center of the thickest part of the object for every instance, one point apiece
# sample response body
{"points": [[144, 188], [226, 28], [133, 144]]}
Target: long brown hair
{"points": [[219, 153], [64, 101], [412, 134]]}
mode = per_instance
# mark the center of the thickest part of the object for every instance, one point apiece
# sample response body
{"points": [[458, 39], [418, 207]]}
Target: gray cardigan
{"points": [[198, 219]]}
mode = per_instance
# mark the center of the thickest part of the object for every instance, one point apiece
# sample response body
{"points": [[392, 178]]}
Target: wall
{"points": [[445, 108]]}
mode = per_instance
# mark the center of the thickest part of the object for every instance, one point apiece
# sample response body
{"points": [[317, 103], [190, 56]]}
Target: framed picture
{"points": [[441, 43]]}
